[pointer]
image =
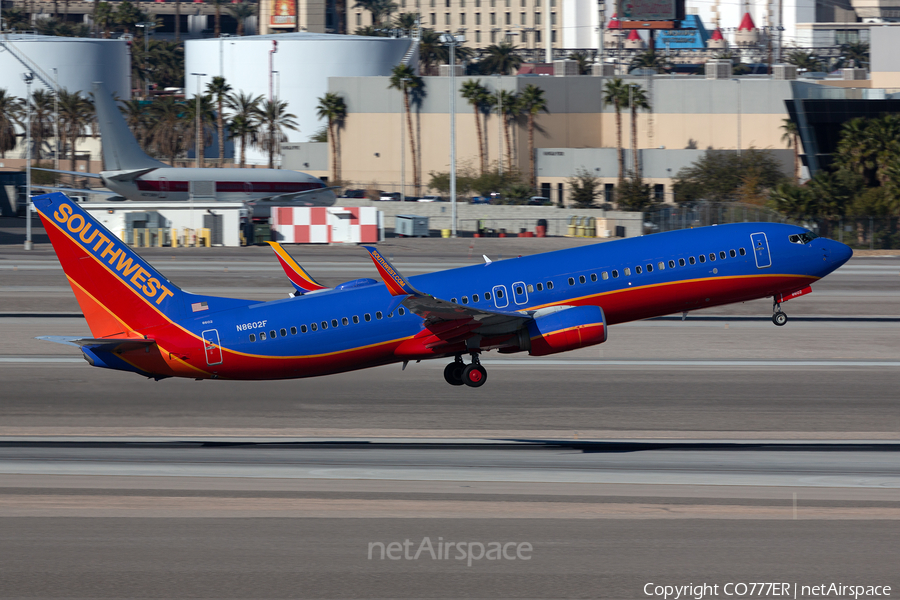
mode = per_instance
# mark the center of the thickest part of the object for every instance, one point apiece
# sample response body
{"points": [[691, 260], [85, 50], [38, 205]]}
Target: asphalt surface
{"points": [[717, 450]]}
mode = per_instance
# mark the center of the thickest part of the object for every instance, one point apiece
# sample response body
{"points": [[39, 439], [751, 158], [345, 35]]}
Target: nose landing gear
{"points": [[778, 317], [459, 373]]}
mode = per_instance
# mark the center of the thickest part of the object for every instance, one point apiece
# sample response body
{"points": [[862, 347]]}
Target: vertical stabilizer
{"points": [[121, 151]]}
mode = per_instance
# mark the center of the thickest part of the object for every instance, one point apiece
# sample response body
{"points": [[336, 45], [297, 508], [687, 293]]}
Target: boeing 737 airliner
{"points": [[541, 304]]}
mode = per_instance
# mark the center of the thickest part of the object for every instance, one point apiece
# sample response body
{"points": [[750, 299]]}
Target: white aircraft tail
{"points": [[121, 151]]}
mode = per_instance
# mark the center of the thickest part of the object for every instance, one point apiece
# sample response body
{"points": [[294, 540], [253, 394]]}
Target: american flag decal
{"points": [[198, 306]]}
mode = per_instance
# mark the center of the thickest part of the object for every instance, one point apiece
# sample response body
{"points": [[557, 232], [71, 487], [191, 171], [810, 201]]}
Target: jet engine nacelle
{"points": [[567, 329]]}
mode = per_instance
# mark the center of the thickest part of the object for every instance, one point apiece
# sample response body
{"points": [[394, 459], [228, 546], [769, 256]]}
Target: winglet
{"points": [[396, 284], [300, 278]]}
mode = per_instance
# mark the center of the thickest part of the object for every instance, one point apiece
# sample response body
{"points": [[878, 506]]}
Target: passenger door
{"points": [[761, 250], [520, 293], [211, 347], [500, 298]]}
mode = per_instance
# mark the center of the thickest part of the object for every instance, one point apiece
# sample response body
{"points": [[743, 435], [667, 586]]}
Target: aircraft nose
{"points": [[836, 254]]}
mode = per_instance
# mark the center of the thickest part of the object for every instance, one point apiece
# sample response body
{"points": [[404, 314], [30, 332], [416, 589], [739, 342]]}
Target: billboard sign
{"points": [[284, 13], [651, 10]]}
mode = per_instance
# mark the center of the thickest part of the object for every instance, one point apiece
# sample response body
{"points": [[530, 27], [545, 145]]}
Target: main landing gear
{"points": [[778, 317], [459, 373]]}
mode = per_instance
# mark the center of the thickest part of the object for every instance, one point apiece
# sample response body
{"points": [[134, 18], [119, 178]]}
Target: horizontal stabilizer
{"points": [[68, 190], [104, 344], [78, 173]]}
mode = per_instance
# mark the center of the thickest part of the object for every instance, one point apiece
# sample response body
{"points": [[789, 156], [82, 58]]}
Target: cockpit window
{"points": [[803, 238]]}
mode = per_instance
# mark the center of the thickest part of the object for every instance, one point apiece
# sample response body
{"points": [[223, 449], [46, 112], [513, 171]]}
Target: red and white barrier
{"points": [[327, 225]]}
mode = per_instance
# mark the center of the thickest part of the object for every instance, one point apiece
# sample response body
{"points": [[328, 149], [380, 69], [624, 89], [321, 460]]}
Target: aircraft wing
{"points": [[78, 173], [446, 323], [297, 275], [79, 190], [295, 195]]}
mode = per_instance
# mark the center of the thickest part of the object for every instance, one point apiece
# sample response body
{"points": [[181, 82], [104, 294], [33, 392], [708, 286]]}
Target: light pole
{"points": [[198, 145], [28, 77], [272, 65], [145, 25], [405, 81], [500, 118], [738, 81], [56, 118], [452, 41]]}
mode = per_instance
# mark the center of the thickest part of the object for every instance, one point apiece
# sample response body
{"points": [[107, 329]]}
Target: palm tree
{"points": [[532, 102], [333, 108], [379, 10], [41, 118], [244, 113], [615, 94], [218, 89], [583, 61], [274, 119], [167, 131], [403, 78], [217, 27], [199, 128], [406, 22], [241, 11], [508, 109], [177, 21], [791, 137], [638, 100], [76, 116], [477, 96], [501, 59], [104, 17], [432, 52], [804, 60], [10, 109], [857, 53], [127, 15], [135, 113], [650, 60]]}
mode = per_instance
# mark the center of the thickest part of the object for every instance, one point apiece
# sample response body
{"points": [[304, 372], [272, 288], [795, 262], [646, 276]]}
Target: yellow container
{"points": [[445, 233]]}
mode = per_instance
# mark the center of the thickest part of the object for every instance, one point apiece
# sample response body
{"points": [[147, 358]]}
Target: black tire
{"points": [[453, 373], [474, 375], [779, 319]]}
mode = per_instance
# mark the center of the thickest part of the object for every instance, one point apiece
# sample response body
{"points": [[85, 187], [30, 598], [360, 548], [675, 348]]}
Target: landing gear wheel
{"points": [[779, 318], [453, 373], [474, 375]]}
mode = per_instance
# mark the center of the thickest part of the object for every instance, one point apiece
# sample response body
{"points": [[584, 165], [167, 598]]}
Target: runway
{"points": [[716, 449]]}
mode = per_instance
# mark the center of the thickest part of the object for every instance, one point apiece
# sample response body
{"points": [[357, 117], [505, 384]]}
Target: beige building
{"points": [[689, 115], [485, 22]]}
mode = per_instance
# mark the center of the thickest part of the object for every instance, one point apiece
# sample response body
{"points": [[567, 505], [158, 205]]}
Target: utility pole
{"points": [[28, 77], [452, 41], [56, 118]]}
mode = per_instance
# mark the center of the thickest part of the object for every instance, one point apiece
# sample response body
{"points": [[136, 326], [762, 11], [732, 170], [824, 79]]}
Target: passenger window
{"points": [[671, 264], [615, 273], [549, 285], [293, 331], [453, 300], [702, 258], [378, 315], [722, 255], [662, 265], [334, 322], [681, 262], [499, 293], [581, 279], [344, 321], [649, 268], [627, 271], [401, 311], [262, 336], [712, 256], [391, 315], [530, 288], [355, 319], [593, 277], [637, 270], [692, 260], [519, 290], [272, 334], [324, 324], [313, 326], [303, 329], [732, 253], [604, 275], [571, 281], [252, 337], [465, 299], [742, 251], [487, 295], [474, 297], [540, 287], [283, 332], [367, 317]]}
